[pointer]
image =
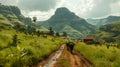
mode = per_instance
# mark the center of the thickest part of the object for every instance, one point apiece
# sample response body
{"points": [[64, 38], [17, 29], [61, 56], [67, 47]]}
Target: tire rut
{"points": [[75, 59]]}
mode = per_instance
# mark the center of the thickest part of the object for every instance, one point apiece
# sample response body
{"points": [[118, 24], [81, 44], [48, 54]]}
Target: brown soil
{"points": [[79, 61], [68, 59], [64, 59], [46, 60], [75, 59]]}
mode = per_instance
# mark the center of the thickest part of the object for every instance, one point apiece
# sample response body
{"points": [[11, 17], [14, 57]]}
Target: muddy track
{"points": [[49, 62], [74, 59], [77, 60]]}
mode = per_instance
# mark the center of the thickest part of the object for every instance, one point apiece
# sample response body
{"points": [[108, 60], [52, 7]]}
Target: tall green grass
{"points": [[100, 56], [29, 51]]}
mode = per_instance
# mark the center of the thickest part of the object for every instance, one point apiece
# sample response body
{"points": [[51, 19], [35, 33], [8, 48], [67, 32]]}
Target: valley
{"points": [[26, 42]]}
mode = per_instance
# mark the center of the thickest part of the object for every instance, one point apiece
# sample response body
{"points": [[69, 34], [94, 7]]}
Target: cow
{"points": [[70, 46]]}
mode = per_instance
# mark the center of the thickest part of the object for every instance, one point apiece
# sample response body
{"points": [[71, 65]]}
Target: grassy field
{"points": [[100, 56], [29, 49]]}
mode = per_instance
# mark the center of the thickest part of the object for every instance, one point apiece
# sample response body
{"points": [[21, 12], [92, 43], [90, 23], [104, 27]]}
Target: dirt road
{"points": [[67, 59], [79, 61]]}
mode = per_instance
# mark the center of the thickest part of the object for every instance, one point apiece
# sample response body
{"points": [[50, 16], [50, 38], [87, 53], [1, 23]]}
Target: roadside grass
{"points": [[100, 56], [29, 51]]}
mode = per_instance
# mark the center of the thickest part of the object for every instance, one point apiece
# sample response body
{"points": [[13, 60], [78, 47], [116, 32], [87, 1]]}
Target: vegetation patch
{"points": [[100, 56], [18, 49]]}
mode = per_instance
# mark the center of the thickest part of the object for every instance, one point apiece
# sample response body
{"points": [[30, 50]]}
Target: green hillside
{"points": [[109, 32], [100, 22], [11, 15], [63, 18]]}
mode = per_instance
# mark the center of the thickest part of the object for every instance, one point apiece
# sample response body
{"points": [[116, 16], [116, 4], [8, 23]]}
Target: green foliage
{"points": [[51, 32], [15, 40], [89, 42], [64, 34], [108, 33], [100, 56], [30, 51], [57, 34], [111, 27]]}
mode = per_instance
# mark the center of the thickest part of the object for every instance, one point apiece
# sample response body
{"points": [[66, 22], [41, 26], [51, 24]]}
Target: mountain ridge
{"points": [[103, 21], [11, 15], [63, 17], [108, 33]]}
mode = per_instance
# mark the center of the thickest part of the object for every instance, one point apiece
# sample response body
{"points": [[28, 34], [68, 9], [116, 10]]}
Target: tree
{"points": [[38, 33], [57, 34], [31, 30], [15, 40], [34, 19], [64, 34], [51, 32]]}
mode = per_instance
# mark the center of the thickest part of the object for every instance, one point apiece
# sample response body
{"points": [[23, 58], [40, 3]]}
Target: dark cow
{"points": [[70, 46]]}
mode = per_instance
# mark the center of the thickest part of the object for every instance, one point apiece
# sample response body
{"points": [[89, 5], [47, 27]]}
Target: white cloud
{"points": [[40, 5], [101, 8], [85, 7], [41, 15], [9, 2], [115, 8], [44, 9]]}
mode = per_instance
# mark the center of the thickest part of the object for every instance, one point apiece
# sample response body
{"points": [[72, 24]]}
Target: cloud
{"points": [[85, 7], [115, 8], [95, 8], [88, 8], [9, 2], [43, 9], [41, 15], [101, 8], [37, 5]]}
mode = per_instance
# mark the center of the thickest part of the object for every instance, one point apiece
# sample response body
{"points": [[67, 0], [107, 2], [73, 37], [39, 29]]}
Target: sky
{"points": [[44, 9]]}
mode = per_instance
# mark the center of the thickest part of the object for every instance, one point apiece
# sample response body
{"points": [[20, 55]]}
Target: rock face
{"points": [[11, 15], [66, 21]]}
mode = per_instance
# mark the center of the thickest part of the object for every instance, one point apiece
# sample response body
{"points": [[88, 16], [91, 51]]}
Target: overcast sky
{"points": [[44, 9]]}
